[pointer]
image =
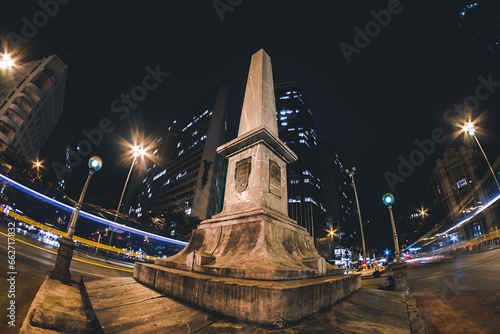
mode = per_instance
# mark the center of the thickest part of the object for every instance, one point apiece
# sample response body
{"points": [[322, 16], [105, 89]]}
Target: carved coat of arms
{"points": [[241, 174]]}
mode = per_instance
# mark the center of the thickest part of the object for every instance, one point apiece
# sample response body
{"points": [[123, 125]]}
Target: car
{"points": [[375, 272]]}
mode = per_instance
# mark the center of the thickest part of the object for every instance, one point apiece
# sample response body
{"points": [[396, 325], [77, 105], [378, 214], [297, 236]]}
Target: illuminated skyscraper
{"points": [[479, 19], [31, 100], [339, 202], [296, 130], [186, 177]]}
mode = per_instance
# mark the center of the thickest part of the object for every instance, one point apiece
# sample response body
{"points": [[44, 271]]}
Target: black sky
{"points": [[392, 93]]}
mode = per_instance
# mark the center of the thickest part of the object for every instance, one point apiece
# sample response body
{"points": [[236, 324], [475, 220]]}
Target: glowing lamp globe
{"points": [[388, 199], [95, 163]]}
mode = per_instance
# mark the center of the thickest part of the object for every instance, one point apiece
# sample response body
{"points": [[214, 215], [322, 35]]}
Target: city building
{"points": [[455, 190], [339, 198], [31, 100], [185, 179], [480, 20], [296, 130]]}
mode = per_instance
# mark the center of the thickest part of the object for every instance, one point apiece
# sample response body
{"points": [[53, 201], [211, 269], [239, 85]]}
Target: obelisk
{"points": [[252, 249]]}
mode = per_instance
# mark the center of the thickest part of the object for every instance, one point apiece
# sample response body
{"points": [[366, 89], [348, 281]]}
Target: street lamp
{"points": [[399, 268], [137, 152], [66, 245], [6, 61], [331, 234], [351, 175], [470, 129], [388, 199]]}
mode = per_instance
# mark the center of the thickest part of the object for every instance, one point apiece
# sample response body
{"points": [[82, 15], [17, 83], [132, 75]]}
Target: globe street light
{"points": [[137, 152], [470, 129], [351, 175], [388, 199], [399, 268], [66, 245]]}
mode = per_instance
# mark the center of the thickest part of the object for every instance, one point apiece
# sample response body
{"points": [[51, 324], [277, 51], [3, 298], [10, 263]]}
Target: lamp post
{"points": [[388, 199], [66, 245], [331, 234], [136, 152], [351, 175], [399, 268], [470, 129]]}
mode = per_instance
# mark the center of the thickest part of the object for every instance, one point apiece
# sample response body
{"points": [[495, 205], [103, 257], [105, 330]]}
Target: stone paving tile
{"points": [[460, 312], [365, 311]]}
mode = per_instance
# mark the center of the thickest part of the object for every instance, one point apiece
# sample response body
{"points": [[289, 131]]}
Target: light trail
{"points": [[460, 223], [87, 215], [74, 258]]}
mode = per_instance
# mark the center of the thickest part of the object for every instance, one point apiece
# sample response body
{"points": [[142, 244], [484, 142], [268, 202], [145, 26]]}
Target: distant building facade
{"points": [[479, 19], [186, 177], [455, 189], [338, 192], [296, 130], [31, 101]]}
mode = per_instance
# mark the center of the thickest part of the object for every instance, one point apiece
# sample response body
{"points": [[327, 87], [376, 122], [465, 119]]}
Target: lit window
{"points": [[188, 211], [159, 175], [182, 151], [155, 151], [461, 183], [284, 123]]}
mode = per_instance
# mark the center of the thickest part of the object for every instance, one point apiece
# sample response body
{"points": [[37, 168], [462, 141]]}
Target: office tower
{"points": [[31, 100], [296, 130], [480, 20], [186, 177], [339, 198]]}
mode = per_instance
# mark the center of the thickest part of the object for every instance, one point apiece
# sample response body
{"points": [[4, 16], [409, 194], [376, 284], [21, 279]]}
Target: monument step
{"points": [[262, 302]]}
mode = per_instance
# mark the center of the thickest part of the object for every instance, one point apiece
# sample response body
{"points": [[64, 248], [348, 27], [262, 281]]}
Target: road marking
{"points": [[94, 263]]}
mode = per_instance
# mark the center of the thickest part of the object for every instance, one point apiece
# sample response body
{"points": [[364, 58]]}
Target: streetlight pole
{"points": [[137, 152], [66, 245], [470, 129], [399, 268], [351, 175]]}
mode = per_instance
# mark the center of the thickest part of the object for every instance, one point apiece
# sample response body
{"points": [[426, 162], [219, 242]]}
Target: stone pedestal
{"points": [[400, 276], [63, 261], [257, 244], [265, 302]]}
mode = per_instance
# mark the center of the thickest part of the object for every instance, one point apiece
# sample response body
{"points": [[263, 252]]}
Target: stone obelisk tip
{"points": [[259, 105]]}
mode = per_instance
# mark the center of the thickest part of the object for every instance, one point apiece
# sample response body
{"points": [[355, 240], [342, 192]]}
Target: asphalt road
{"points": [[456, 295], [33, 262]]}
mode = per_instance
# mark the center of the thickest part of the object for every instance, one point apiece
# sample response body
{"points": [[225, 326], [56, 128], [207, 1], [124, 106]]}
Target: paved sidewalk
{"points": [[122, 305], [57, 308]]}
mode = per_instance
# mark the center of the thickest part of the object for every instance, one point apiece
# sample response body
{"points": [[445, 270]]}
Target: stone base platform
{"points": [[262, 302]]}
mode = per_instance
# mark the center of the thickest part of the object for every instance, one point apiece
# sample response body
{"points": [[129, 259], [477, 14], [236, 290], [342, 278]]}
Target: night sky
{"points": [[393, 92]]}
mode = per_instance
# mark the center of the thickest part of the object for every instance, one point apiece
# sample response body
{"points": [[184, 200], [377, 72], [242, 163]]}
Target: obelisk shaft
{"points": [[259, 105]]}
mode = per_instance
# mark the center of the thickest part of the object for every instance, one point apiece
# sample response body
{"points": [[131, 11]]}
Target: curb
{"points": [[417, 324]]}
